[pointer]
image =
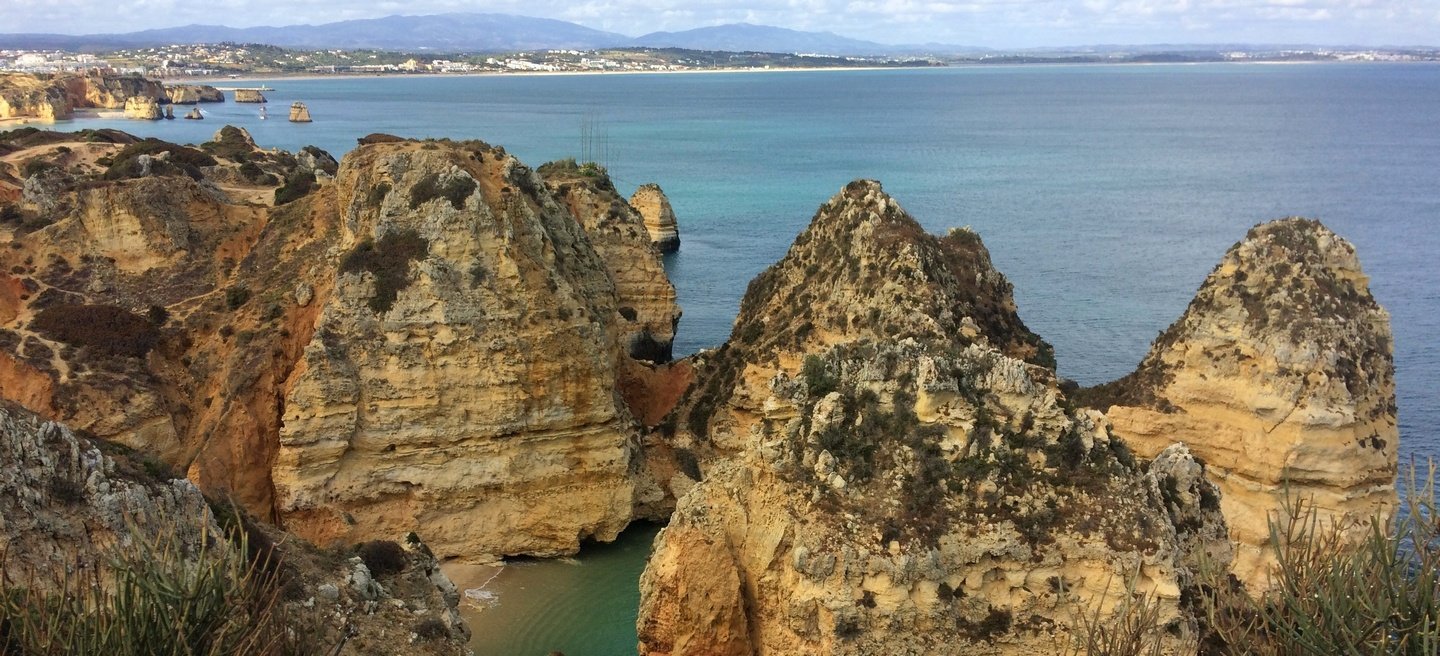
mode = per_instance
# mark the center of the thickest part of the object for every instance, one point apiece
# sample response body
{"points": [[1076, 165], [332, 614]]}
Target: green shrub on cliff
{"points": [[103, 328], [455, 190], [389, 261], [296, 186], [160, 595]]}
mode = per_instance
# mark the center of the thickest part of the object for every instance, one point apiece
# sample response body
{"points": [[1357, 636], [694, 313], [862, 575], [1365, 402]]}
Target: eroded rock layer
{"points": [[423, 339], [652, 204], [617, 231], [461, 380], [909, 484], [1280, 376]]}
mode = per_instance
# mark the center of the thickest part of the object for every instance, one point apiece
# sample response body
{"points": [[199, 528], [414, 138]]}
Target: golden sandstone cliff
{"points": [[56, 97], [432, 337], [659, 217], [430, 342], [906, 481], [1280, 376]]}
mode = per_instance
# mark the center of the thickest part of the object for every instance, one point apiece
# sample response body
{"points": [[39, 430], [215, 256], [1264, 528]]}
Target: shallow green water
{"points": [[579, 606]]}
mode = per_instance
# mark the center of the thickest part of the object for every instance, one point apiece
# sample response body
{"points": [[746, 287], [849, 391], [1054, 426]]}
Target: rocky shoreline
{"points": [[431, 338]]}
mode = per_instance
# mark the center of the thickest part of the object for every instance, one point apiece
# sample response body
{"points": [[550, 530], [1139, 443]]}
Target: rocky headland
{"points": [[1280, 377], [432, 337], [56, 97]]}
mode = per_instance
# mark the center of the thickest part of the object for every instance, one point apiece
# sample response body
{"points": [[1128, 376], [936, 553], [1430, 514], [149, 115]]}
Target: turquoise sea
{"points": [[1105, 194]]}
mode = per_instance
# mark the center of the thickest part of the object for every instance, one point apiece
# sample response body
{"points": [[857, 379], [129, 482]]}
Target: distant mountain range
{"points": [[475, 33]]}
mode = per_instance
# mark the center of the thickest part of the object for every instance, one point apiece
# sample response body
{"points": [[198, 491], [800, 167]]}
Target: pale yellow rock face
{"points": [[659, 217], [1279, 376], [144, 109], [617, 231], [905, 478], [958, 541], [480, 409]]}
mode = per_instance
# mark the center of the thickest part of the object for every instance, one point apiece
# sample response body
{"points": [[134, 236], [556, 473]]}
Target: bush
{"points": [[107, 329], [431, 629], [180, 161], [296, 186], [236, 296], [156, 596], [455, 190], [383, 557], [389, 261], [1331, 593]]}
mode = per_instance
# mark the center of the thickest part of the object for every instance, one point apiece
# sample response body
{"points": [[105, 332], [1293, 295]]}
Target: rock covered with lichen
{"points": [[1280, 376], [911, 480]]}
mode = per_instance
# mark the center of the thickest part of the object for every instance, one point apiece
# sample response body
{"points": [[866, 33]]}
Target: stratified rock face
{"points": [[249, 96], [617, 231], [652, 204], [1279, 373], [60, 497], [919, 497], [299, 113], [27, 96], [144, 109], [190, 94], [862, 269], [908, 483], [56, 97], [461, 377]]}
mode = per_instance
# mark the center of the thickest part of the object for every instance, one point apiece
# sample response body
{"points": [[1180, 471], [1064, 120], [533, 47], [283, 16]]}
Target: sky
{"points": [[994, 23]]}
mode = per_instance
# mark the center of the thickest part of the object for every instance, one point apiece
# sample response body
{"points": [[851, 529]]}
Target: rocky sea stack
{"points": [[906, 481], [1280, 376]]}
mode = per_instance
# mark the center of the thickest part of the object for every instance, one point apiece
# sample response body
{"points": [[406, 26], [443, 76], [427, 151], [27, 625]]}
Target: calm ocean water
{"points": [[1105, 193]]}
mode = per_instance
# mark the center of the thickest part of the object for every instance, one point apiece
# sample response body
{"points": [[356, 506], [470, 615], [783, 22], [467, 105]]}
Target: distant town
{"points": [[229, 59]]}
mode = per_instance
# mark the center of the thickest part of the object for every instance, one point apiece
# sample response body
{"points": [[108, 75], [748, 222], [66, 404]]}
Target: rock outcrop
{"points": [[190, 94], [194, 114], [249, 96], [652, 204], [55, 97], [428, 341], [27, 96], [66, 503], [144, 109], [907, 482], [617, 231], [1279, 376], [299, 113]]}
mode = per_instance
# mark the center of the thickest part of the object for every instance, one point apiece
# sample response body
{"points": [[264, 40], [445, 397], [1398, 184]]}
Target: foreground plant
{"points": [[160, 595]]}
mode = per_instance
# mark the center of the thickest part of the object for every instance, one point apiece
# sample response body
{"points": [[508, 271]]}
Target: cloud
{"points": [[982, 22]]}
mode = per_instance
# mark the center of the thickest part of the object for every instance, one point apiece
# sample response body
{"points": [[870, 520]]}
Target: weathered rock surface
{"points": [[190, 94], [194, 114], [249, 96], [659, 217], [64, 501], [617, 231], [1279, 376], [144, 109], [431, 341], [863, 268], [25, 95], [907, 484], [299, 113], [57, 96], [467, 388]]}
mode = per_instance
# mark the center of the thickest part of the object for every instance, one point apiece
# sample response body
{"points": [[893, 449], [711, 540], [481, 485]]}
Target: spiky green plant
{"points": [[1133, 628], [1334, 595], [159, 595]]}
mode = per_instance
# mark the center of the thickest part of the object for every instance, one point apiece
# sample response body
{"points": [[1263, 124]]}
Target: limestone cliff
{"points": [[1280, 376], [908, 483], [55, 97], [25, 95], [249, 96], [190, 94], [424, 339], [654, 206], [66, 502], [863, 268], [617, 231], [461, 380], [144, 109]]}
